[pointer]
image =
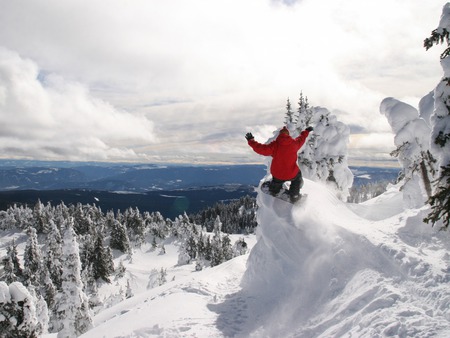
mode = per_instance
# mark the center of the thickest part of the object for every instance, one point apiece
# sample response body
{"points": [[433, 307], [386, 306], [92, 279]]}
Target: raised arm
{"points": [[261, 149]]}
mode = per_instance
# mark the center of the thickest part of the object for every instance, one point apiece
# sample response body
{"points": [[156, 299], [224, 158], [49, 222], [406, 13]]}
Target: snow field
{"points": [[322, 268]]}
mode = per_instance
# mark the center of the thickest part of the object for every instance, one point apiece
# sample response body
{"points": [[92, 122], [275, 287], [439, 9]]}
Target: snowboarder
{"points": [[284, 160]]}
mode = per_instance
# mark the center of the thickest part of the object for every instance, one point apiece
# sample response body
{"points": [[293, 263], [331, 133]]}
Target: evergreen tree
{"points": [[72, 307], [323, 157], [290, 118], [39, 217], [304, 113], [240, 247], [90, 286], [52, 259], [41, 310], [217, 256], [157, 278], [83, 223], [440, 136], [135, 225], [18, 312], [440, 201], [101, 261], [119, 238], [32, 259], [191, 247], [227, 250], [413, 150], [208, 251], [8, 270], [86, 249], [12, 270], [47, 295], [109, 258], [129, 291]]}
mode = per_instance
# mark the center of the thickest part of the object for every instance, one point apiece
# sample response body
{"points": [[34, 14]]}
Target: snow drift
{"points": [[319, 269]]}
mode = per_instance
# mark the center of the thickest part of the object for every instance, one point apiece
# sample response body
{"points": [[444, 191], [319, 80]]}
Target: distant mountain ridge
{"points": [[129, 178], [170, 190], [140, 178]]}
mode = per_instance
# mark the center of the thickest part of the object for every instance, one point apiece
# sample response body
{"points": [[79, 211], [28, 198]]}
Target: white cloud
{"points": [[57, 119], [199, 67]]}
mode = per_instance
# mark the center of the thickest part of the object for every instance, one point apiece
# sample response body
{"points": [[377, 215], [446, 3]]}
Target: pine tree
{"points": [[100, 261], [80, 225], [41, 308], [72, 307], [129, 291], [304, 112], [32, 259], [46, 287], [119, 238], [18, 312], [8, 271], [39, 217], [208, 249], [191, 247], [12, 270], [217, 256], [440, 201], [440, 136], [323, 157], [290, 118], [227, 249], [52, 259], [135, 225], [413, 150], [120, 271]]}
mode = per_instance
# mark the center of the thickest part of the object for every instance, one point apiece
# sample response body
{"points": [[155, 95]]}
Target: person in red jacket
{"points": [[284, 160]]}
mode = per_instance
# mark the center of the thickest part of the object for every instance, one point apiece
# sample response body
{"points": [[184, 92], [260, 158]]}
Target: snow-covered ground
{"points": [[319, 269]]}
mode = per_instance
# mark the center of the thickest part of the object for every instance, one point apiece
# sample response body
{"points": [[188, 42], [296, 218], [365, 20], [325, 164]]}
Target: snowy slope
{"points": [[321, 269]]}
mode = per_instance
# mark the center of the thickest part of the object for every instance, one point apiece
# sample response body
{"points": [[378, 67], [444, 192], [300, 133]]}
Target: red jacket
{"points": [[284, 154]]}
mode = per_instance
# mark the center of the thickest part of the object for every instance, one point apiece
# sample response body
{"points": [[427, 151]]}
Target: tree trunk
{"points": [[425, 178]]}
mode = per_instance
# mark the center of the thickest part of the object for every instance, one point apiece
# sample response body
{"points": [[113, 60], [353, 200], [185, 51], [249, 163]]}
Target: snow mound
{"points": [[320, 270]]}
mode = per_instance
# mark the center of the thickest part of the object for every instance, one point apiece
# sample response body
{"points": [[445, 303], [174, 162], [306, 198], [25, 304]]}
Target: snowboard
{"points": [[282, 195]]}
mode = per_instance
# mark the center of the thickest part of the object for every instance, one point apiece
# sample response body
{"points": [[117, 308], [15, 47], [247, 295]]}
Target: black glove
{"points": [[309, 129], [249, 136]]}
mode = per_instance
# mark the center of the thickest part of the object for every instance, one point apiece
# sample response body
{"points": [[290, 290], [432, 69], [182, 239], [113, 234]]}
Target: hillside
{"points": [[321, 269]]}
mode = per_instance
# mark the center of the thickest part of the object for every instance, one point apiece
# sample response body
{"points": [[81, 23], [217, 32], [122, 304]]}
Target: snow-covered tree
{"points": [[32, 259], [290, 118], [101, 261], [18, 316], [129, 291], [119, 238], [135, 225], [324, 156], [52, 259], [240, 247], [304, 113], [8, 270], [42, 314], [157, 278], [73, 316], [217, 256], [39, 217], [413, 151], [12, 271], [440, 120]]}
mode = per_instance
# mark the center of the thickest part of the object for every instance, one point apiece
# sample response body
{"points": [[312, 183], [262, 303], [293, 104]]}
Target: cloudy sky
{"points": [[184, 80]]}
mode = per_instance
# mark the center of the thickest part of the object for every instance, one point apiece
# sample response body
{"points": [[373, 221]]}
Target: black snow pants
{"points": [[294, 190]]}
